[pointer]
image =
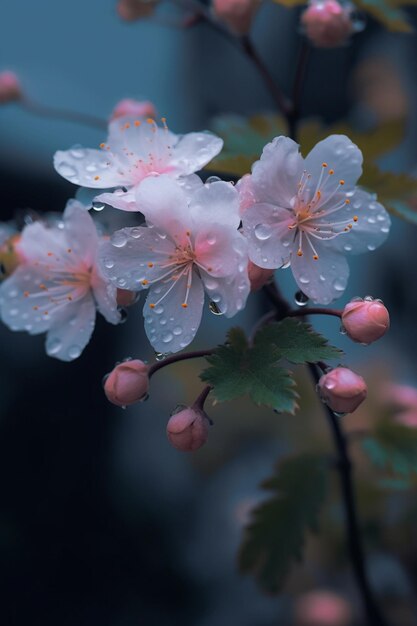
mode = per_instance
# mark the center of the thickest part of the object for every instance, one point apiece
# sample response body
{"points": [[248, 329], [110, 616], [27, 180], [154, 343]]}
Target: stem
{"points": [[282, 307], [62, 114], [280, 99], [357, 556], [200, 400], [178, 357], [316, 310]]}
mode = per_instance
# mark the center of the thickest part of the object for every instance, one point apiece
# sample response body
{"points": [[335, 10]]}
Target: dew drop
{"points": [[286, 264], [77, 153], [67, 170], [371, 247], [347, 247], [167, 337], [177, 330], [322, 278], [108, 263], [159, 309], [214, 308], [338, 414], [74, 352], [340, 284], [119, 239], [160, 356], [54, 346], [263, 232], [211, 240], [300, 298], [342, 330], [98, 206], [304, 280]]}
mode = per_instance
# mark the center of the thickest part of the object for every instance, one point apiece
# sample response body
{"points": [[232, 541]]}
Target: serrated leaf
{"points": [[276, 535], [393, 447], [237, 369], [296, 341]]}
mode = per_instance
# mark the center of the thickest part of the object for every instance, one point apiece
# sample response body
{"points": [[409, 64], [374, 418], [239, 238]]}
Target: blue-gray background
{"points": [[101, 522]]}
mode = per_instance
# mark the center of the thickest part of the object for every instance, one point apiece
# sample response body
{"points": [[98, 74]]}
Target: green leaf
{"points": [[296, 341], [276, 535], [387, 13], [393, 447], [237, 369], [389, 186]]}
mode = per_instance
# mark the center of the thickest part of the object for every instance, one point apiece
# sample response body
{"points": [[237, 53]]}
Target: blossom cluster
{"points": [[193, 239]]}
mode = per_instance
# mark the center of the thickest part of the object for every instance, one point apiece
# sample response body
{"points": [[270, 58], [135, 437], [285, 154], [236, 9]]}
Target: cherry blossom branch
{"points": [[62, 114], [294, 114], [184, 356], [344, 467], [316, 310], [200, 400]]}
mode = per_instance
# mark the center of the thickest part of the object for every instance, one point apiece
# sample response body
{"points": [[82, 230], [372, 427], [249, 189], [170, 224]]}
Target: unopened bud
{"points": [[133, 108], [125, 297], [342, 390], [187, 430], [237, 14], [131, 10], [10, 89], [127, 383], [322, 608], [258, 276], [327, 23], [366, 320]]}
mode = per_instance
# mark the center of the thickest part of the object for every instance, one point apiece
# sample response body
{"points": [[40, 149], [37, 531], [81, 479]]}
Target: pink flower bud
{"points": [[322, 608], [327, 23], [399, 397], [366, 320], [125, 297], [258, 276], [237, 14], [127, 383], [133, 108], [131, 10], [342, 390], [187, 430], [10, 89]]}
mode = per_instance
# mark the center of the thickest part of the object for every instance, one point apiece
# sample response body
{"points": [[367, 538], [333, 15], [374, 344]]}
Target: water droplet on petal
{"points": [[98, 206], [177, 330], [54, 346], [160, 356], [214, 308], [119, 239], [338, 414], [342, 330], [77, 152], [67, 170], [304, 280], [167, 337], [300, 298], [74, 352], [263, 232], [109, 263], [340, 284]]}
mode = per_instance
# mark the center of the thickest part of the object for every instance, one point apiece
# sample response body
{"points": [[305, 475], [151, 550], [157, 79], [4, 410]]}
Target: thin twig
{"points": [[178, 357], [344, 467], [63, 114], [315, 311], [294, 114]]}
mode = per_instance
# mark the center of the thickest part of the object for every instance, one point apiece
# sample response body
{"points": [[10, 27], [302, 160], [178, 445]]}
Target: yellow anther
{"points": [[355, 218], [26, 294], [184, 305], [96, 177], [324, 164], [137, 123], [341, 182], [151, 306], [331, 172], [347, 201], [145, 282], [127, 125], [102, 145], [150, 120], [150, 264], [316, 257], [299, 252]]}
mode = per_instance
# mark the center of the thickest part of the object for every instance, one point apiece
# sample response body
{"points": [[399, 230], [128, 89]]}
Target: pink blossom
{"points": [[133, 108], [365, 320], [10, 89], [400, 397], [322, 608], [327, 23], [127, 383], [191, 246], [58, 285], [237, 14], [258, 276], [342, 390], [310, 213], [407, 418], [134, 151], [187, 430]]}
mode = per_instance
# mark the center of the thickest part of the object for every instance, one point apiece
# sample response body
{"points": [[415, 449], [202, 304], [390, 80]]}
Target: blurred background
{"points": [[102, 523]]}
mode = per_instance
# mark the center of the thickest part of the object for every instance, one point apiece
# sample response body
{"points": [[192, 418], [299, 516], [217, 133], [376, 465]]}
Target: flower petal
{"points": [[72, 330], [81, 232], [216, 202], [322, 280], [135, 257], [105, 296], [267, 230], [119, 199], [164, 204], [276, 175], [194, 150], [370, 229], [219, 248], [340, 155], [91, 168], [169, 325]]}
